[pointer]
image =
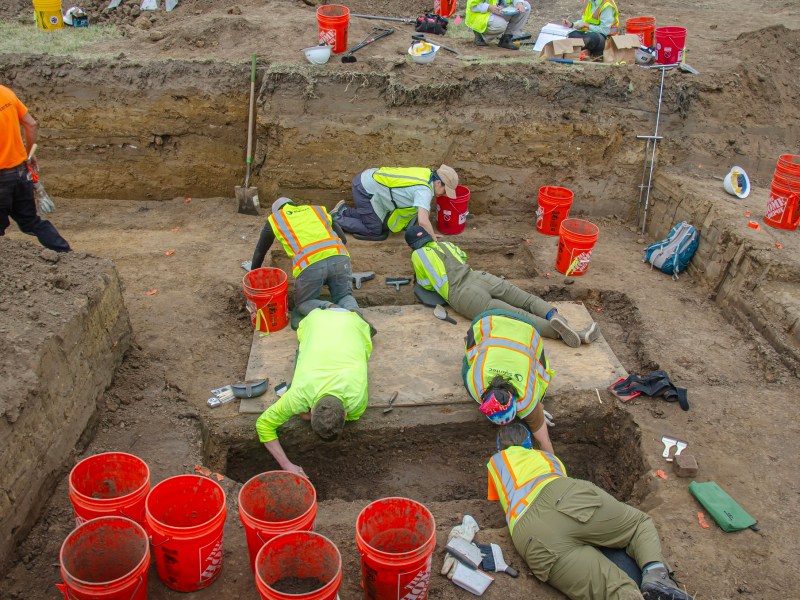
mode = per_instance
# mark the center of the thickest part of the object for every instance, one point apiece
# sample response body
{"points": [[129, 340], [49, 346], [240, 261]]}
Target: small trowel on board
{"points": [[390, 408]]}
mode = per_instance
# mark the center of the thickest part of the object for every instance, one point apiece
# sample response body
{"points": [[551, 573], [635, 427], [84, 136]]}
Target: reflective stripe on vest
{"points": [[593, 17], [399, 218], [306, 252], [518, 475], [398, 177], [434, 265]]}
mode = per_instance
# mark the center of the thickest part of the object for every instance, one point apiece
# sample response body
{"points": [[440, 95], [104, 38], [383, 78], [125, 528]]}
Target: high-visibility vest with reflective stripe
{"points": [[519, 475], [514, 350], [306, 234], [428, 263], [399, 218], [400, 177], [592, 17]]}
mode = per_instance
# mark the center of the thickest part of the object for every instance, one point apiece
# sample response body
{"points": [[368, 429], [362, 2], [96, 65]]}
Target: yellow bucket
{"points": [[48, 14]]}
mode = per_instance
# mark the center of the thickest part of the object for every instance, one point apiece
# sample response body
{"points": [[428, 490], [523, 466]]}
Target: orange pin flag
{"points": [[701, 520], [151, 292], [661, 474], [169, 252]]}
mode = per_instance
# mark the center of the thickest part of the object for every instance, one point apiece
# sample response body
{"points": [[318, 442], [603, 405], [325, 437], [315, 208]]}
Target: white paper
{"points": [[550, 32]]}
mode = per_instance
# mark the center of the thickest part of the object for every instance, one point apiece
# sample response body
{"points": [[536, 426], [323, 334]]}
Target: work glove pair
{"points": [[467, 530]]}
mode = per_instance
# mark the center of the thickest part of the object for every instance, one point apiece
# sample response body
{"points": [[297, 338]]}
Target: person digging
{"points": [[557, 524], [503, 18], [329, 385], [444, 276], [599, 21]]}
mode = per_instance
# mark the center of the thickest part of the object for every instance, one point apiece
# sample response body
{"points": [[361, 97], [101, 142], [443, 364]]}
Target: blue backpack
{"points": [[673, 253]]}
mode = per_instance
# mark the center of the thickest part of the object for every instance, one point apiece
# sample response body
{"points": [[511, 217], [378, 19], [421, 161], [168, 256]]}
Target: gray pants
{"points": [[507, 25], [336, 273]]}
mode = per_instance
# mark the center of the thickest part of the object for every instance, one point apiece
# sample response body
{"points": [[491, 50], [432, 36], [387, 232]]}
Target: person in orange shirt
{"points": [[16, 187]]}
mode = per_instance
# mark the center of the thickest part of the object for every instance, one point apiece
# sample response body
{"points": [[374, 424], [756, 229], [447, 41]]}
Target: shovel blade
{"points": [[248, 200]]}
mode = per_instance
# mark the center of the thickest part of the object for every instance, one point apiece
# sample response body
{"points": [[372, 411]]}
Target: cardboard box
{"points": [[564, 48], [621, 48]]}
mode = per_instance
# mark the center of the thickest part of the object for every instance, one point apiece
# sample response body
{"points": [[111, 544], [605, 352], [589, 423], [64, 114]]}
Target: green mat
{"points": [[724, 509]]}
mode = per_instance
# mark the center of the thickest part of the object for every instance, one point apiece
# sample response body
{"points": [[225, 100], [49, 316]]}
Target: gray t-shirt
{"points": [[406, 197]]}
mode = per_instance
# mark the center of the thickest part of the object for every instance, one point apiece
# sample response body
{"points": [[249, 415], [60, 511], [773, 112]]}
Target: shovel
{"points": [[420, 37], [246, 195], [440, 312], [376, 34]]}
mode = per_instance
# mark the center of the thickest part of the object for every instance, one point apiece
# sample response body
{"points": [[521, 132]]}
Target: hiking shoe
{"points": [[505, 42], [335, 213], [568, 335], [479, 39], [590, 334], [658, 585]]}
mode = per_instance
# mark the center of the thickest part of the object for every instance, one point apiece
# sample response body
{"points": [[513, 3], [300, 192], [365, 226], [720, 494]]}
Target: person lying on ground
{"points": [[390, 198], [506, 371], [557, 524], [442, 267], [504, 18], [600, 19], [329, 385]]}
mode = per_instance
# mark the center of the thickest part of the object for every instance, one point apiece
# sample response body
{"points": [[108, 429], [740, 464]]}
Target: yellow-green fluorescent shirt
{"points": [[335, 346]]}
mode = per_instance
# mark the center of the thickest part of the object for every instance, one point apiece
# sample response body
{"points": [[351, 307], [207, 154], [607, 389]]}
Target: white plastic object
{"points": [[423, 58], [737, 183], [318, 55]]}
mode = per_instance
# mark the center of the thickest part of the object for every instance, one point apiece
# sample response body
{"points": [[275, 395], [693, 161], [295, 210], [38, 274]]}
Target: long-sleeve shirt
{"points": [[606, 19], [267, 237]]}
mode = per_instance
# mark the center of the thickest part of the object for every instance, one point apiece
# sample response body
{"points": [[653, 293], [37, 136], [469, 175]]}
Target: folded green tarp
{"points": [[724, 509]]}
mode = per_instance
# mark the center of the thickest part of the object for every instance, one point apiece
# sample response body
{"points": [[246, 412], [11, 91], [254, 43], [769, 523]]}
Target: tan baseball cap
{"points": [[449, 178]]}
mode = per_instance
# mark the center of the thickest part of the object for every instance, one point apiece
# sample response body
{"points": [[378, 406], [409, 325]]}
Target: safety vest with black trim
{"points": [[519, 475], [512, 349], [592, 17], [400, 177], [428, 263], [306, 234]]}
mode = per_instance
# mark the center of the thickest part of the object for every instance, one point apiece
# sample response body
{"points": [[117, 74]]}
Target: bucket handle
{"points": [[796, 207], [159, 543], [260, 315], [65, 590]]}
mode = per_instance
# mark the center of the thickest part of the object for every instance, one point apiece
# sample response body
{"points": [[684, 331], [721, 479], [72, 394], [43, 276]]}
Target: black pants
{"points": [[17, 202], [594, 42]]}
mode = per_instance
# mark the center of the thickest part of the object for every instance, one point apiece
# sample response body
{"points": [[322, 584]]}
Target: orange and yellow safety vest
{"points": [[592, 17]]}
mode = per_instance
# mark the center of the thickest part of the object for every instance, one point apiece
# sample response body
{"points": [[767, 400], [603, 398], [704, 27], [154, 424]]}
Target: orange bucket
{"points": [[266, 292], [644, 27], [444, 8], [575, 243], [332, 21], [554, 205], [783, 208], [789, 164]]}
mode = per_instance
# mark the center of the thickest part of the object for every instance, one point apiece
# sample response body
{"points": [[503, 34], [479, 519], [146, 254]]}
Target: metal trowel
{"points": [[440, 312]]}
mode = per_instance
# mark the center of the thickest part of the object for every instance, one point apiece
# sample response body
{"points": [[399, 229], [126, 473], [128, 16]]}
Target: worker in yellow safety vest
{"points": [[489, 19], [599, 21], [443, 276], [557, 524], [389, 199], [316, 247], [329, 385], [506, 371]]}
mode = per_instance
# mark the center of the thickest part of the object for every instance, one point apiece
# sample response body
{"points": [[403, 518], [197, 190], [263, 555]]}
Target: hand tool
{"points": [[359, 278], [669, 444], [440, 312], [420, 37], [398, 19], [569, 61], [376, 34], [250, 389], [390, 408], [397, 282], [246, 195], [493, 560], [465, 551], [681, 446]]}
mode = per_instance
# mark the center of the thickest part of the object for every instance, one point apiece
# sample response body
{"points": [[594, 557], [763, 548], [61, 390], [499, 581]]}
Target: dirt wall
{"points": [[64, 330]]}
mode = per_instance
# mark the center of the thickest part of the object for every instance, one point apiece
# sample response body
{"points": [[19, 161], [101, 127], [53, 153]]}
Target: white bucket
{"points": [[737, 183]]}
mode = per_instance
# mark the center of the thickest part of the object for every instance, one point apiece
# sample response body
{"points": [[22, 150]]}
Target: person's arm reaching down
{"points": [[31, 128], [424, 220], [267, 428], [262, 247], [536, 423]]}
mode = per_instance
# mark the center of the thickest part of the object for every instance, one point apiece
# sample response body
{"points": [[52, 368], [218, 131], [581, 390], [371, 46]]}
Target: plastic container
{"points": [[396, 538], [554, 205], [48, 14], [783, 208], [670, 42], [273, 503], [422, 58], [789, 164], [444, 8], [644, 27], [311, 560], [575, 243], [105, 559], [451, 215], [332, 23], [186, 515], [317, 55], [266, 290], [737, 183], [112, 483]]}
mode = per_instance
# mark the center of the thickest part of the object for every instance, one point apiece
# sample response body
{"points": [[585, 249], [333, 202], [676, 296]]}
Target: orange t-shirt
{"points": [[12, 150]]}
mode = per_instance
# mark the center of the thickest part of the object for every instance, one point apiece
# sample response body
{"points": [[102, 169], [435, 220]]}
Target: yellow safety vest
{"points": [[399, 177], [428, 263], [514, 350], [306, 234], [593, 17], [519, 475]]}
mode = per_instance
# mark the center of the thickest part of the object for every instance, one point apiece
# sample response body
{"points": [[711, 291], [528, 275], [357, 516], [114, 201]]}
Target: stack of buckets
{"points": [[576, 237], [451, 214], [783, 209], [266, 292]]}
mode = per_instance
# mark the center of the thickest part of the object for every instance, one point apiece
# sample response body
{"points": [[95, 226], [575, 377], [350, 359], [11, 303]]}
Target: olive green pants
{"points": [[558, 533]]}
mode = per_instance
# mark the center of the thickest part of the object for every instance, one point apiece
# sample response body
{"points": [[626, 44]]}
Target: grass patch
{"points": [[19, 38]]}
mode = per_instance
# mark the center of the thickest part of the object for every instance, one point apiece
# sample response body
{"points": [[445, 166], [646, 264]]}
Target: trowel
{"points": [[440, 312]]}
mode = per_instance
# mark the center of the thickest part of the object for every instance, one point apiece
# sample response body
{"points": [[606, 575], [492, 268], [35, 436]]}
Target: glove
{"points": [[548, 418], [43, 201], [247, 265], [467, 530]]}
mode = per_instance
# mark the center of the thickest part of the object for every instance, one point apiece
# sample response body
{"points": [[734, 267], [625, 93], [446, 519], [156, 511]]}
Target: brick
{"points": [[685, 465]]}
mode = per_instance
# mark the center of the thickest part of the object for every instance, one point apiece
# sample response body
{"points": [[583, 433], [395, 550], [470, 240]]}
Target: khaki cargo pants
{"points": [[558, 533]]}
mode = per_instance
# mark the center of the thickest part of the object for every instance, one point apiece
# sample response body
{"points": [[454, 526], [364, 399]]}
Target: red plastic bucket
{"points": [[332, 21], [273, 503], [105, 559], [787, 180], [396, 538], [670, 42], [575, 243], [298, 565], [788, 164], [451, 216], [112, 483], [644, 27], [554, 205], [444, 8], [783, 208], [266, 291], [186, 515]]}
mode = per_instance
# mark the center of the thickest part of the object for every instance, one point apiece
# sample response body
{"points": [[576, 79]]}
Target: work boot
{"points": [[568, 335], [658, 585], [340, 205], [479, 39], [505, 42], [590, 334]]}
